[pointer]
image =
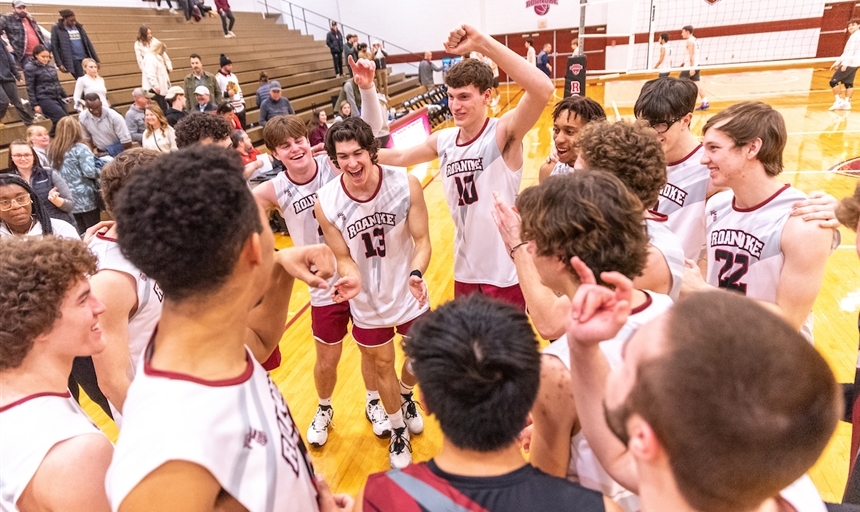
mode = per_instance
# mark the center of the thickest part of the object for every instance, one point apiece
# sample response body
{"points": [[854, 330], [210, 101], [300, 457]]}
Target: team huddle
{"points": [[623, 255]]}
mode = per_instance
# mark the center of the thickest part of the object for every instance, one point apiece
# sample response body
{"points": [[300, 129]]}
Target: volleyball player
{"points": [[479, 156], [204, 426], [293, 193], [691, 63], [132, 300], [569, 117], [587, 217], [847, 65], [375, 221], [53, 457], [664, 63], [755, 247]]}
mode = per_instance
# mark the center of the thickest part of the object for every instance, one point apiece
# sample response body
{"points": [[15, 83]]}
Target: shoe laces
{"points": [[411, 409], [399, 442], [322, 419], [376, 412]]}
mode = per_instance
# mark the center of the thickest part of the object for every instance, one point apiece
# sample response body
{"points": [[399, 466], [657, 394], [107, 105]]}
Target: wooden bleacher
{"points": [[302, 65]]}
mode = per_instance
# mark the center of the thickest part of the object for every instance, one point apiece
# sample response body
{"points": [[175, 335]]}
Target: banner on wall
{"points": [[574, 77], [541, 7]]}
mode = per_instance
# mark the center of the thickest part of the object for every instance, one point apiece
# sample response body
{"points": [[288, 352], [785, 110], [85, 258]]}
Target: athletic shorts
{"points": [[511, 294], [846, 77], [695, 77], [329, 323], [495, 82], [379, 336]]}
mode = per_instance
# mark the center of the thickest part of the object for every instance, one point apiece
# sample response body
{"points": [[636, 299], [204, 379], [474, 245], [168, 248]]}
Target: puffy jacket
{"points": [[62, 45], [13, 25], [42, 82], [334, 41]]}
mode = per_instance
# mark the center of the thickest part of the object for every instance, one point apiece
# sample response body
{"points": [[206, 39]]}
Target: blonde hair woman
{"points": [[159, 135], [90, 82], [156, 72]]}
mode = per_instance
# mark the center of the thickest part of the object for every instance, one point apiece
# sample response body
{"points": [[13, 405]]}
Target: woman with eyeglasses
{"points": [[23, 214], [49, 186]]}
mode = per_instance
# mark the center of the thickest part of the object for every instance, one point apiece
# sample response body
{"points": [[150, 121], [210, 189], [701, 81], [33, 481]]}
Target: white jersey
{"points": [[380, 243], [803, 496], [683, 200], [696, 57], [59, 228], [744, 245], [470, 173], [561, 168], [31, 427], [670, 247], [667, 58], [296, 202], [240, 430], [584, 466], [142, 323]]}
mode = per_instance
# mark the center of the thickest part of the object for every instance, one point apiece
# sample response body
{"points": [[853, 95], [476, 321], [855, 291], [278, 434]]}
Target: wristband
{"points": [[417, 273], [514, 248]]}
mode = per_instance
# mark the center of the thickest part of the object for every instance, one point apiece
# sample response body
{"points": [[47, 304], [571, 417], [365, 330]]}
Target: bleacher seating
{"points": [[301, 64]]}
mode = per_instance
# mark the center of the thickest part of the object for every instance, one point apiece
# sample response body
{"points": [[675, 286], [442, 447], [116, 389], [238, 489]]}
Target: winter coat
{"points": [[61, 45], [42, 82], [156, 72], [8, 67], [334, 41]]}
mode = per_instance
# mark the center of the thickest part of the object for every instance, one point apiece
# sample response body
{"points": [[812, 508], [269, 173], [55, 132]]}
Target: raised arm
{"points": [[424, 152], [537, 87]]}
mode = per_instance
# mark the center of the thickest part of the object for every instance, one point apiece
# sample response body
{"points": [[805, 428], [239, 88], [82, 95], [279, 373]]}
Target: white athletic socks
{"points": [[325, 402], [404, 389], [397, 419], [372, 395]]}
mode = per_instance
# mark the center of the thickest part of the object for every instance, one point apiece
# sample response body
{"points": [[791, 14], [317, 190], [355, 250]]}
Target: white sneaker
{"points": [[375, 414], [318, 431], [411, 414], [159, 8], [173, 11], [400, 449], [230, 32], [846, 105], [836, 104]]}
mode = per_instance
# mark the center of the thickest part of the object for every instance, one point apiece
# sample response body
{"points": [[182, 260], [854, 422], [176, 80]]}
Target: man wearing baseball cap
{"points": [[23, 32], [204, 102], [275, 104], [175, 97]]}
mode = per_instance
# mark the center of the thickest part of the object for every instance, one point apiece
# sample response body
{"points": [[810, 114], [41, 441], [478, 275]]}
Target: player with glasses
{"points": [[23, 214]]}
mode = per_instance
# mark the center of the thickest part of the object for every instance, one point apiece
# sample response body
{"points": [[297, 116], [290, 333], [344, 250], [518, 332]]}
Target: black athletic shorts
{"points": [[695, 77], [846, 77]]}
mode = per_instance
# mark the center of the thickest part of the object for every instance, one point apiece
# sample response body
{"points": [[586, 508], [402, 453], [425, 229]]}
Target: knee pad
{"points": [[849, 85], [833, 83]]}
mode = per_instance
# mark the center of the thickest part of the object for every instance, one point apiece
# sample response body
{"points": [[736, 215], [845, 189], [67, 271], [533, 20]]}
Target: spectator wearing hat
{"points": [[71, 45], [334, 41], [195, 79], [175, 97], [204, 100], [103, 128], [275, 104], [134, 117], [23, 32]]}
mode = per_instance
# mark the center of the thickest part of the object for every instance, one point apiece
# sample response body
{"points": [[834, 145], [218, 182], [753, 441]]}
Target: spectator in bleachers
{"points": [[263, 88], [204, 101], [50, 187], [169, 6], [71, 45], [24, 34], [156, 73], [223, 8], [22, 214], [379, 55], [175, 97], [104, 130], [134, 115], [90, 82], [198, 77], [143, 44], [317, 127], [351, 96], [225, 74], [363, 53], [242, 143], [203, 128], [38, 137], [344, 112], [234, 96], [351, 49], [334, 41], [43, 87], [9, 77], [77, 165], [159, 135], [275, 105], [426, 69], [225, 110]]}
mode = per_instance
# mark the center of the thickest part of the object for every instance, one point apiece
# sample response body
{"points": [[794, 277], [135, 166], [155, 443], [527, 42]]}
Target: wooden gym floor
{"points": [[818, 140]]}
